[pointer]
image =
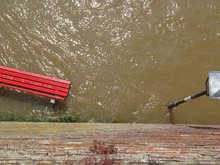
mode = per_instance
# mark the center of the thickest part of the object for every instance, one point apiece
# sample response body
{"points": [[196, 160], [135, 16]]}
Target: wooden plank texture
{"points": [[54, 143], [34, 83], [33, 92], [22, 72], [33, 87]]}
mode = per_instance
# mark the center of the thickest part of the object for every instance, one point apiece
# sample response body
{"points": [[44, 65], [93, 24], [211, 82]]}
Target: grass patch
{"points": [[65, 118]]}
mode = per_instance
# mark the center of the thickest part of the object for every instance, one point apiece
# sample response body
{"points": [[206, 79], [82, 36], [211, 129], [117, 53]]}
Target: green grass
{"points": [[67, 118]]}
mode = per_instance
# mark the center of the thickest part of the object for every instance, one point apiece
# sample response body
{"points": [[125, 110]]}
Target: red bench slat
{"points": [[33, 92], [37, 79], [33, 83], [35, 75], [32, 87]]}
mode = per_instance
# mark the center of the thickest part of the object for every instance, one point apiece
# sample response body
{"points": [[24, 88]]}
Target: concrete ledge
{"points": [[58, 143]]}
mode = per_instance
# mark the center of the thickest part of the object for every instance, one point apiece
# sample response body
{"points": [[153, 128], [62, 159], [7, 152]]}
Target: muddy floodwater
{"points": [[126, 59]]}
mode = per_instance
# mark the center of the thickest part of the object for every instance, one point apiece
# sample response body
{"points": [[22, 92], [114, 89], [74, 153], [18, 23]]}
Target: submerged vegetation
{"points": [[70, 117]]}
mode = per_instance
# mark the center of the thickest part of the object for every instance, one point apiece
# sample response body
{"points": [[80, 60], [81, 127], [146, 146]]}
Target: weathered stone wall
{"points": [[54, 143]]}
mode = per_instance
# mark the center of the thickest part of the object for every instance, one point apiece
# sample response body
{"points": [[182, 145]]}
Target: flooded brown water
{"points": [[126, 59]]}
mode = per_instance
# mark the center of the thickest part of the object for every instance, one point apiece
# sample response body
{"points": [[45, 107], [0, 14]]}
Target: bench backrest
{"points": [[34, 83]]}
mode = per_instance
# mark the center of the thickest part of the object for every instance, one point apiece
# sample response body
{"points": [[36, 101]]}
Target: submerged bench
{"points": [[53, 88]]}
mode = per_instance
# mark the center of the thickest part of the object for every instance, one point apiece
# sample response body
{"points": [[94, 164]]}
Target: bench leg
{"points": [[52, 101]]}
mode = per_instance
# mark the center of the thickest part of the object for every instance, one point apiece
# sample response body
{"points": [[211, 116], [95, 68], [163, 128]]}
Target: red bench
{"points": [[56, 89]]}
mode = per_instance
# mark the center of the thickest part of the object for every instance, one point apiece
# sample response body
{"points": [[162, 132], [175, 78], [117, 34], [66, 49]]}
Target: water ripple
{"points": [[123, 57]]}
